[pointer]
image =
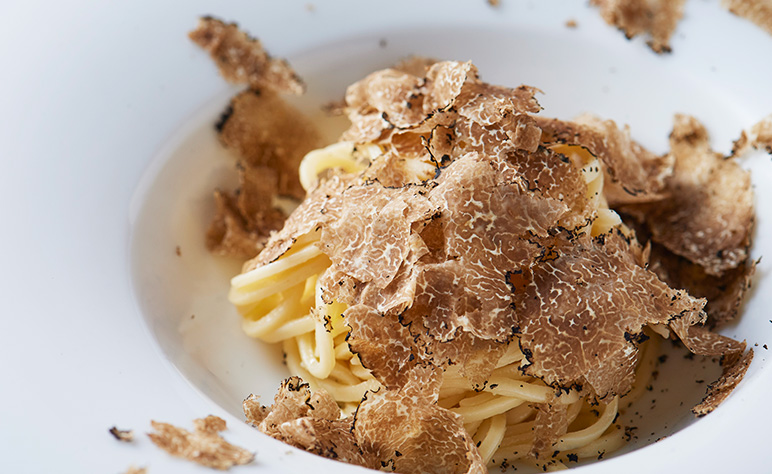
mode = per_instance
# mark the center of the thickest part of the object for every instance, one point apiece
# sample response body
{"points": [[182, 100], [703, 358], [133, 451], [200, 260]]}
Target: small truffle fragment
{"points": [[203, 446], [709, 214], [657, 18], [242, 59], [719, 390], [757, 11], [126, 436], [550, 424], [136, 470], [759, 136]]}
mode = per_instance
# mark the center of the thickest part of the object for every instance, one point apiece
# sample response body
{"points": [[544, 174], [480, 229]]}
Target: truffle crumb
{"points": [[494, 3], [571, 23], [178, 251], [122, 435], [203, 446]]}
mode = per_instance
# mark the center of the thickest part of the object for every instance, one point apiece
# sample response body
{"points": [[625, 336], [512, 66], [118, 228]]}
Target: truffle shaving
{"points": [[581, 317], [399, 430], [633, 174], [242, 59], [126, 436], [719, 390], [709, 214], [759, 137], [269, 136], [203, 446], [384, 346], [757, 11], [228, 233], [657, 18], [550, 424], [724, 293], [294, 400]]}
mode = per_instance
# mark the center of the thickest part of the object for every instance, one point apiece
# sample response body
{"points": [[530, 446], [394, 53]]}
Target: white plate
{"points": [[108, 159]]}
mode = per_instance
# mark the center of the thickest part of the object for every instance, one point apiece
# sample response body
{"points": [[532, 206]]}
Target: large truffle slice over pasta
{"points": [[582, 315], [633, 174], [400, 428]]}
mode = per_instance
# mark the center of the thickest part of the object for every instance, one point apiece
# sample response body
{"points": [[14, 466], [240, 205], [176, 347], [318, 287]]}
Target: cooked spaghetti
{"points": [[456, 259], [282, 302]]}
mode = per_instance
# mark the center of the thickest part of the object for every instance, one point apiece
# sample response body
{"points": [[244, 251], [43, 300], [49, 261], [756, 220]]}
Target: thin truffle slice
{"points": [[307, 420], [582, 315], [399, 430], [270, 139], [228, 233], [203, 446], [243, 223], [725, 293], [658, 18], [387, 92], [263, 131], [384, 346], [719, 390], [550, 424], [242, 59], [633, 174], [757, 11], [330, 439], [294, 400], [370, 239], [319, 207], [709, 214]]}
